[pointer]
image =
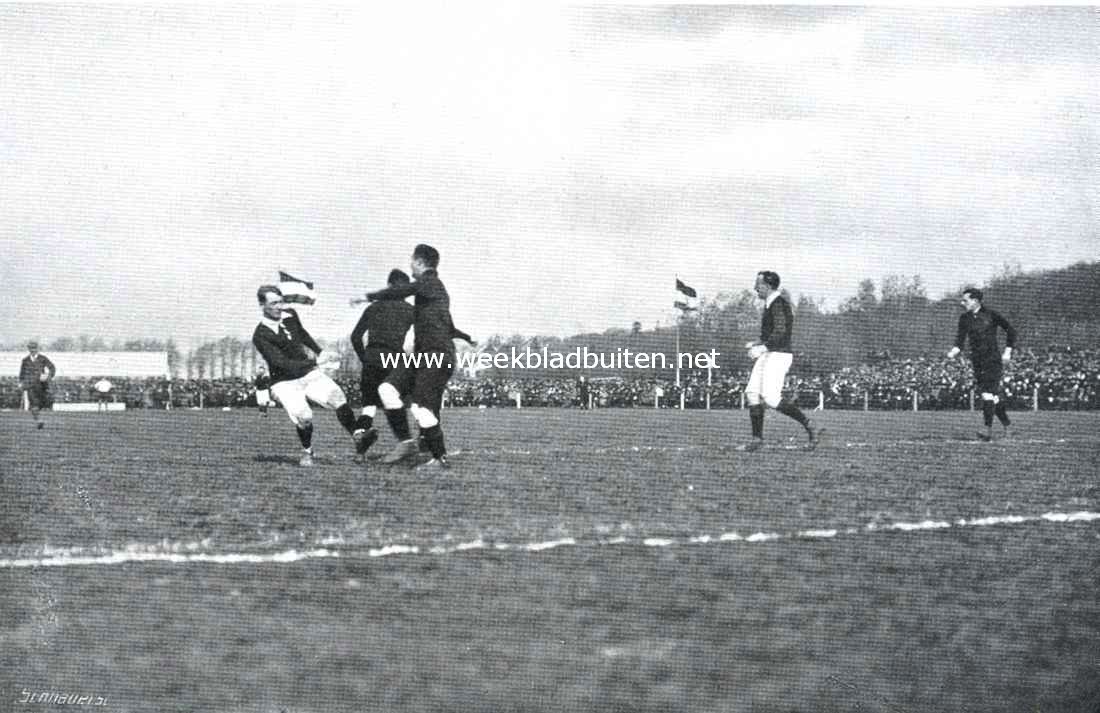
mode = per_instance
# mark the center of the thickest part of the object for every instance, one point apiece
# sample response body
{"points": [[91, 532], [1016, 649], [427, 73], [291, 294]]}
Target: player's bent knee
{"points": [[424, 417], [390, 397], [337, 398]]}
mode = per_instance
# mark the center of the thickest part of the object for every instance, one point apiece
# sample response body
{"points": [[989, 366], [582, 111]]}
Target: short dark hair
{"points": [[32, 345], [264, 289], [397, 277], [974, 293], [771, 279], [427, 254]]}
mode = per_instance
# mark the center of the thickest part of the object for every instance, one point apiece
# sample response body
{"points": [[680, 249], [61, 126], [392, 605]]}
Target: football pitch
{"points": [[617, 560]]}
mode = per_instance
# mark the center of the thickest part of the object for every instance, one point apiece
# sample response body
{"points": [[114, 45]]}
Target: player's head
{"points": [[271, 302], [32, 347], [424, 258], [397, 277], [767, 282], [971, 299]]}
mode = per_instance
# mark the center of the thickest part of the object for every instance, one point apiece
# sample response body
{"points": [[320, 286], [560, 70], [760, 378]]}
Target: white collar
{"points": [[273, 324], [770, 298]]}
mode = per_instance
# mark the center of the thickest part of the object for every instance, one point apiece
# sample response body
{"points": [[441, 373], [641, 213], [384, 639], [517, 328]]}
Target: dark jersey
{"points": [[775, 329], [980, 328], [385, 323], [432, 314], [284, 351], [31, 370]]}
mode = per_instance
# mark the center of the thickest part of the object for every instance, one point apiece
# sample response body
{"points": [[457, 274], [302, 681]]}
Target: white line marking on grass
{"points": [[177, 553]]}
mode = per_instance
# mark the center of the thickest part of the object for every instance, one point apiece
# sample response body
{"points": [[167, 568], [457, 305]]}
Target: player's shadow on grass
{"points": [[268, 458]]}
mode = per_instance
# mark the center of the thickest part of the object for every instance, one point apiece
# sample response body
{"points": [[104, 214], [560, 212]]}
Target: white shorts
{"points": [[769, 373], [315, 386]]}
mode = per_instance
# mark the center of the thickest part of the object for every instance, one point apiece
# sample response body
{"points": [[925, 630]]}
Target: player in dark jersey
{"points": [[296, 378], [385, 324], [434, 347], [35, 373], [978, 325], [772, 359]]}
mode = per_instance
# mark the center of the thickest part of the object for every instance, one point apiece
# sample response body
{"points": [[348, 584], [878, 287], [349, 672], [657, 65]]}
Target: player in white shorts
{"points": [[296, 379], [772, 359]]}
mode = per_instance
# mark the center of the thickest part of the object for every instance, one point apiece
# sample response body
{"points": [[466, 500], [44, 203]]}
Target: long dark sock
{"points": [[346, 416], [756, 416], [789, 408], [433, 437], [364, 422], [1002, 414], [305, 435], [399, 422], [987, 413]]}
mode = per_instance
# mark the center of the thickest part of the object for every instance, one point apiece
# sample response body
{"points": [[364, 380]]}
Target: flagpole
{"points": [[677, 355]]}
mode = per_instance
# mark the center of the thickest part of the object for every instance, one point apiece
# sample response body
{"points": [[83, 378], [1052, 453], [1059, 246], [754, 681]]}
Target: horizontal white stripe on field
{"points": [[184, 553]]}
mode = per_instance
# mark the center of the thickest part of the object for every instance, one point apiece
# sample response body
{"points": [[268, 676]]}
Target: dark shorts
{"points": [[39, 396], [103, 397], [369, 380], [987, 377], [424, 386]]}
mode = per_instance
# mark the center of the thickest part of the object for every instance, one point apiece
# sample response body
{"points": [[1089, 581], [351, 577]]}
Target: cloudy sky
{"points": [[158, 163]]}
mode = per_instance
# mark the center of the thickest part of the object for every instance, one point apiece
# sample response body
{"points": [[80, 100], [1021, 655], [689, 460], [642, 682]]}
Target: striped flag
{"points": [[296, 291], [685, 297]]}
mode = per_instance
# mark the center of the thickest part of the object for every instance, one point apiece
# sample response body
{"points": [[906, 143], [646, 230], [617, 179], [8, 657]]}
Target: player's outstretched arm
{"points": [[457, 333], [398, 292]]}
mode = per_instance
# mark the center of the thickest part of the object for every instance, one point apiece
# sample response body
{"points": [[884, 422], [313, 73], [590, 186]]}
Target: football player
{"points": [[295, 376], [979, 325], [772, 359], [426, 381], [35, 373], [385, 323]]}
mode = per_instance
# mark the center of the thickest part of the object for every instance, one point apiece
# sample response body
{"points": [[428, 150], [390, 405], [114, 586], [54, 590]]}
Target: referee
{"points": [[979, 325]]}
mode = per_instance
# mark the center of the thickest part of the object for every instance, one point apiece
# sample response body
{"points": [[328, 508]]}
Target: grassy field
{"points": [[643, 605]]}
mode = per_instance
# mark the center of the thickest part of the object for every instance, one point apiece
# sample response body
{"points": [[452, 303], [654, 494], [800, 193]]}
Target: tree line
{"points": [[891, 319]]}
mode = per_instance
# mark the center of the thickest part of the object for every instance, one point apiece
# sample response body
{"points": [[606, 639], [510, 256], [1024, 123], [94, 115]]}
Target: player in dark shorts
{"points": [[421, 386], [385, 323], [35, 373], [979, 325]]}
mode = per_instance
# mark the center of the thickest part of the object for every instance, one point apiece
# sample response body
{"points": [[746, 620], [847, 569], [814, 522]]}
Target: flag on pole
{"points": [[685, 297], [296, 291]]}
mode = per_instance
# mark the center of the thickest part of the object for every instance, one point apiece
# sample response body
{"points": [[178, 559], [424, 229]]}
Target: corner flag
{"points": [[296, 291]]}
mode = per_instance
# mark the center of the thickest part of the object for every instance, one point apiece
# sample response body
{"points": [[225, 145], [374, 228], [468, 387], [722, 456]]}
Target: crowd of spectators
{"points": [[1058, 379]]}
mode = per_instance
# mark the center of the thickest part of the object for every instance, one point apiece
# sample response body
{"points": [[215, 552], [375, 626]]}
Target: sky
{"points": [[159, 163]]}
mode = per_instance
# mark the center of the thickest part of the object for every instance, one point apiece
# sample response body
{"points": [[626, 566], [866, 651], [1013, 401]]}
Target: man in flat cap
{"points": [[35, 374]]}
